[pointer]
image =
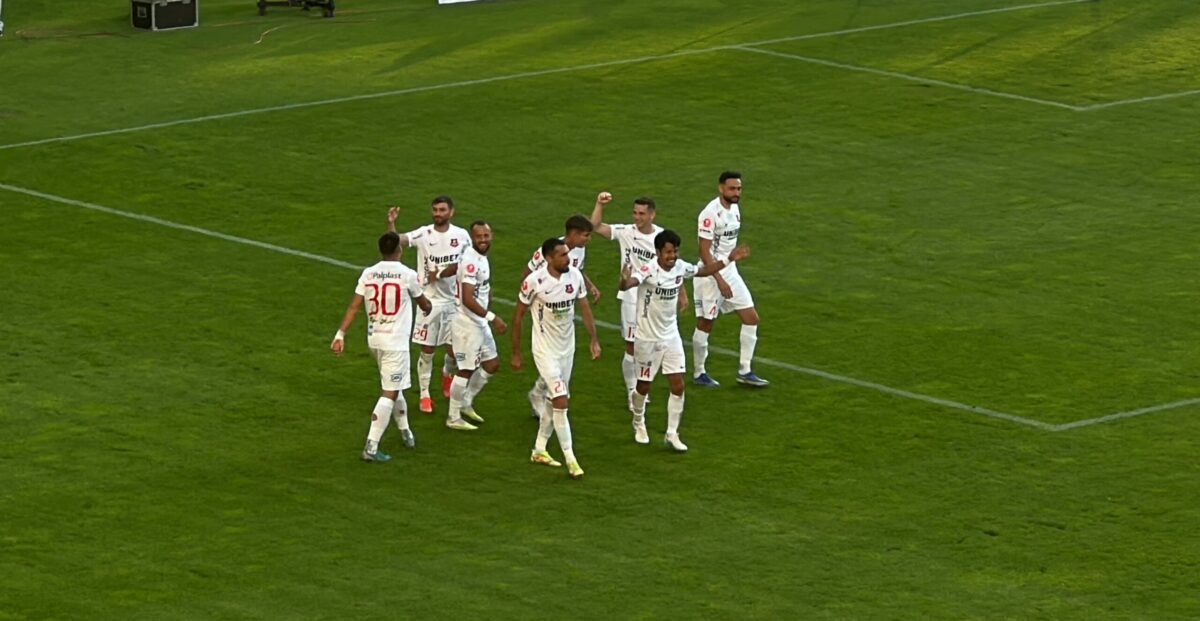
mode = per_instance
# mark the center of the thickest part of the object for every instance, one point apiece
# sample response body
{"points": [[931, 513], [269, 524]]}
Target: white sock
{"points": [[629, 369], [674, 413], [545, 429], [424, 373], [379, 421], [562, 427], [749, 338], [458, 391], [476, 384], [400, 413], [639, 404], [699, 351]]}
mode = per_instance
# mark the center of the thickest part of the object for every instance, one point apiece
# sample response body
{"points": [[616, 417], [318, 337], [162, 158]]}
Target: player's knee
{"points": [[629, 348], [749, 316]]}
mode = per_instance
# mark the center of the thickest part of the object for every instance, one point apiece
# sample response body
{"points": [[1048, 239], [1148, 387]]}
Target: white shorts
{"points": [[394, 365], [708, 300], [629, 318], [653, 355], [555, 372], [473, 344], [434, 329]]}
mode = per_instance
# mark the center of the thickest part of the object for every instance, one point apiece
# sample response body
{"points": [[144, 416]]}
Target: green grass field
{"points": [[995, 209]]}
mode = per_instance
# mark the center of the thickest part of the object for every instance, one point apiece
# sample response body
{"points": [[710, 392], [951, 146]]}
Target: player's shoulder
{"points": [[457, 231], [712, 205]]}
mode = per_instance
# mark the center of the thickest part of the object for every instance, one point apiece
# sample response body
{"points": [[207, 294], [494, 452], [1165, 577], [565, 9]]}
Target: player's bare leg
{"points": [[749, 337]]}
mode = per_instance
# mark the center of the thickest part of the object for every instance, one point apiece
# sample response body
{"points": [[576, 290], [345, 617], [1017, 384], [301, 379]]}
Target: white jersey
{"points": [[658, 299], [551, 303], [474, 269], [437, 250], [577, 255], [721, 226], [388, 288], [637, 249]]}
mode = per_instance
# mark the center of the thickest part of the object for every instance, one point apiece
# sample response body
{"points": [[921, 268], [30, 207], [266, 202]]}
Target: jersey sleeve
{"points": [[620, 231], [641, 274], [415, 235], [536, 261], [706, 224], [688, 270], [527, 287], [581, 290], [469, 271], [361, 287], [415, 290]]}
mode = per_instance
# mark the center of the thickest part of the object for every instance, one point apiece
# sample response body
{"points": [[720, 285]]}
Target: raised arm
{"points": [[393, 213], [598, 225]]}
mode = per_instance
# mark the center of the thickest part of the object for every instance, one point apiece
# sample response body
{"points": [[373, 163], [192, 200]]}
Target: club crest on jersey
{"points": [[570, 288], [678, 279], [454, 243]]}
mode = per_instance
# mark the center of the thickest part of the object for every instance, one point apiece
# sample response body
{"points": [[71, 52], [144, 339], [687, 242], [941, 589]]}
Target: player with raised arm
{"points": [[551, 295], [636, 245], [657, 344], [389, 289], [474, 345], [439, 246], [717, 229], [578, 234]]}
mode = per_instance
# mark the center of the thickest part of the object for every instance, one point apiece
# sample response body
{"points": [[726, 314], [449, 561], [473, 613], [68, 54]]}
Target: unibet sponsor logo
{"points": [[666, 293]]}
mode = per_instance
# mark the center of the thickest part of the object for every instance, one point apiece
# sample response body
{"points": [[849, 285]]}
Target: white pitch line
{"points": [[527, 74], [343, 264], [912, 78], [1123, 415], [1126, 102]]}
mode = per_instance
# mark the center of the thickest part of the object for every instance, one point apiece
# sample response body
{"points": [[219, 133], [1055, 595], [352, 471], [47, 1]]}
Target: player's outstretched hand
{"points": [[603, 198], [338, 346], [595, 349], [739, 253], [393, 213], [499, 325]]}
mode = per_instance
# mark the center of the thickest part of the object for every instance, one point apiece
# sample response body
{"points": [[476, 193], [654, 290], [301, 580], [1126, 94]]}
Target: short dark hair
{"points": [[579, 223], [442, 199], [549, 245], [389, 243], [729, 174], [666, 236], [647, 201], [476, 223]]}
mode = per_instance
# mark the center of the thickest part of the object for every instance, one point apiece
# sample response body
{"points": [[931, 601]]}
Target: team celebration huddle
{"points": [[452, 293]]}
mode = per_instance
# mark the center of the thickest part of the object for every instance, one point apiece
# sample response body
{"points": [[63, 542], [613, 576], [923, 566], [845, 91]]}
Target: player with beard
{"points": [[439, 246], [474, 345], [551, 295]]}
